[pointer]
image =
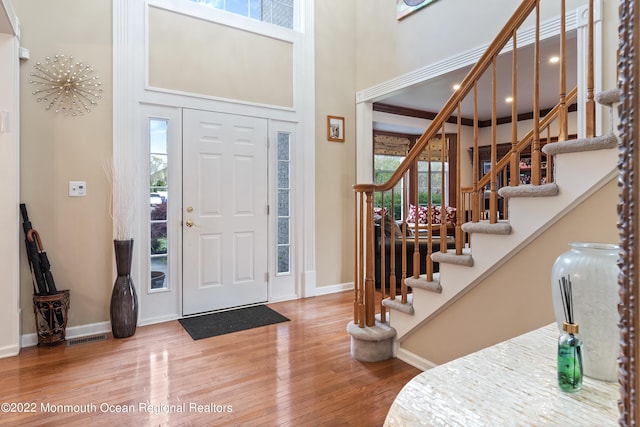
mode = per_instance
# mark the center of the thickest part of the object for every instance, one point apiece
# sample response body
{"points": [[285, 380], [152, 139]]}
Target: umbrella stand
{"points": [[51, 317], [50, 305]]}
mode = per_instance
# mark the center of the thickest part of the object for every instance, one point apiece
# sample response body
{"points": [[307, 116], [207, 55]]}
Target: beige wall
{"points": [[516, 298], [354, 50], [55, 149], [192, 55], [335, 162]]}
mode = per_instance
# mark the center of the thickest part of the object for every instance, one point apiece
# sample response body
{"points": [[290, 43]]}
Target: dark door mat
{"points": [[225, 322]]}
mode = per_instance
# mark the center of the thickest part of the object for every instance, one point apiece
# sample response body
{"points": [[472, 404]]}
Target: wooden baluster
{"points": [[515, 156], [562, 114], [550, 177], [356, 259], [591, 105], [429, 266], [460, 201], [392, 251], [475, 202], [416, 235], [493, 193], [369, 281], [383, 251], [383, 243], [546, 178], [359, 287], [464, 205], [444, 153], [535, 147], [416, 226], [403, 276], [505, 202]]}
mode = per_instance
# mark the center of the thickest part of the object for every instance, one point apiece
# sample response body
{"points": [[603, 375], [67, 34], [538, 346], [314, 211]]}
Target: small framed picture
{"points": [[335, 128]]}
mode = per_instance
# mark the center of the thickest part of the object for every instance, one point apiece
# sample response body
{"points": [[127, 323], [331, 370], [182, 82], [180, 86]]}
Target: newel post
{"points": [[369, 279]]}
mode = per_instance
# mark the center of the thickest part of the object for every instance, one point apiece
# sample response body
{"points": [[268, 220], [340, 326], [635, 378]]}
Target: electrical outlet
{"points": [[77, 188]]}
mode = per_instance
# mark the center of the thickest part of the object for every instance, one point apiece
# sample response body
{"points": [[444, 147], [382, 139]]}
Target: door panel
{"points": [[225, 218]]}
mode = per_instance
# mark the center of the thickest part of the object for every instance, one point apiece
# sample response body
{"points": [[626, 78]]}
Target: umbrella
{"points": [[45, 267], [39, 283], [43, 283]]}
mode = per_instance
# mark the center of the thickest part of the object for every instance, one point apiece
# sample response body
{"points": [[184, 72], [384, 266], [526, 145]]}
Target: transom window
{"points": [[278, 12]]}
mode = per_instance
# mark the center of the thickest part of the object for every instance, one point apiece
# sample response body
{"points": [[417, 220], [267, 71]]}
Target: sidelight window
{"points": [[284, 199], [158, 203]]}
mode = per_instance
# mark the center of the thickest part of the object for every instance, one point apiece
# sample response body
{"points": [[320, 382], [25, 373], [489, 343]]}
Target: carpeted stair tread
{"points": [[582, 144], [379, 332], [397, 304], [422, 283], [501, 227], [608, 97], [465, 259], [529, 190]]}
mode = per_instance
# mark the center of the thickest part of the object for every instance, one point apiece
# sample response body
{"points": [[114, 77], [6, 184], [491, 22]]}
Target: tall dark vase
{"points": [[124, 300]]}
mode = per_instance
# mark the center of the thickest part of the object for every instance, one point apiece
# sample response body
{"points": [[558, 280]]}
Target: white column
{"points": [[11, 244]]}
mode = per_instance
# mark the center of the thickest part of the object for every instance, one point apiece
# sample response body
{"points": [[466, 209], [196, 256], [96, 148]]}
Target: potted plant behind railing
{"points": [[123, 308]]}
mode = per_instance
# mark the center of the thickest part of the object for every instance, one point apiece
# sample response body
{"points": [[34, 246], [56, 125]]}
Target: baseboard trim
{"points": [[30, 340], [9, 351], [309, 284], [158, 319], [414, 360], [332, 289]]}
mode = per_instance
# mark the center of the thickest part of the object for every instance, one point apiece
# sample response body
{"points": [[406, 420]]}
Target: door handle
{"points": [[189, 223]]}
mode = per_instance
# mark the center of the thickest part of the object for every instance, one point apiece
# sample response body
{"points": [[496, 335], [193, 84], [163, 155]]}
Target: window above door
{"points": [[277, 12]]}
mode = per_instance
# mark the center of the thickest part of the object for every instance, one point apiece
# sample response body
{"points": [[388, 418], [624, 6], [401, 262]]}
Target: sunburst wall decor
{"points": [[66, 86]]}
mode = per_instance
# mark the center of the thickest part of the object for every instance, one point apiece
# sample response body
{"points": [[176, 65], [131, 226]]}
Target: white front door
{"points": [[224, 211]]}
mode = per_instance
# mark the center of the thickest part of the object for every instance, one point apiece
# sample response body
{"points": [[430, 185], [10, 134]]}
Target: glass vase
{"points": [[593, 271], [124, 300]]}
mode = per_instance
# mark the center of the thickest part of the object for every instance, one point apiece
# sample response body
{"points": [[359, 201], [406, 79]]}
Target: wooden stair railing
{"points": [[507, 162], [467, 199]]}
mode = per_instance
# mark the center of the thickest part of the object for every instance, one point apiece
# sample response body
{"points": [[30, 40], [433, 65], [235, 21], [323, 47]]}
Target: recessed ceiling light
{"points": [[554, 59], [508, 99], [456, 86]]}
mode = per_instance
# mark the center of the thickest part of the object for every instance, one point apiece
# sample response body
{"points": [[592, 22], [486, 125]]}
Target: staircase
{"points": [[576, 169], [583, 167]]}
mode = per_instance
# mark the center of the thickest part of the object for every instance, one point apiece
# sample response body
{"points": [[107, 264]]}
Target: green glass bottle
{"points": [[569, 358]]}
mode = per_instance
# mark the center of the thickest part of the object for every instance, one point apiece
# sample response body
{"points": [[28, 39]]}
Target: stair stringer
{"points": [[578, 176]]}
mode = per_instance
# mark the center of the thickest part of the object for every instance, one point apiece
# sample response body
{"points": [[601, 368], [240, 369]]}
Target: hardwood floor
{"points": [[297, 373]]}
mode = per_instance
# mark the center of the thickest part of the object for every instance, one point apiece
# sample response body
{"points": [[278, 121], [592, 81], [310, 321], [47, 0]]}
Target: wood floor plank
{"points": [[297, 373]]}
